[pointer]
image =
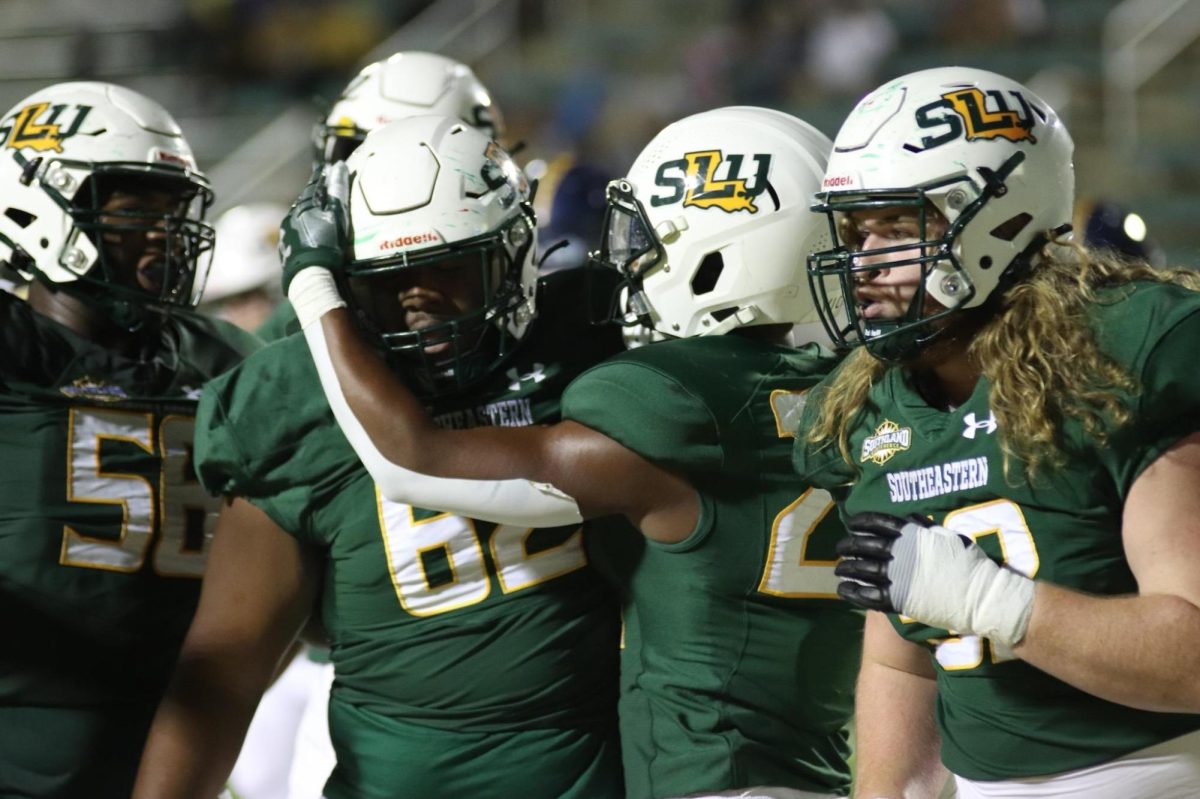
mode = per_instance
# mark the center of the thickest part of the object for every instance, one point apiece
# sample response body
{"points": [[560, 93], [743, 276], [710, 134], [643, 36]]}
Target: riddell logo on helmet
{"points": [[401, 242], [25, 131], [837, 180], [172, 158]]}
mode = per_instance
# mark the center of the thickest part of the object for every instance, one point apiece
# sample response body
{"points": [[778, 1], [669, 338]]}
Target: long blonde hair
{"points": [[1039, 354]]}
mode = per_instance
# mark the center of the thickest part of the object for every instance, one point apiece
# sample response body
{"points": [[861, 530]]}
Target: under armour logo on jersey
{"points": [[988, 425], [537, 375]]}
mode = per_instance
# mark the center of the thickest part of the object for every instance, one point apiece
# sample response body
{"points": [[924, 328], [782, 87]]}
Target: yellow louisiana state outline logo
{"points": [[710, 179], [980, 123], [38, 127], [889, 439]]}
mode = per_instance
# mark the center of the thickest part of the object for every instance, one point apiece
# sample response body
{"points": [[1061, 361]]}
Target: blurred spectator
{"points": [[299, 46], [846, 46], [752, 56], [576, 214], [243, 283], [972, 23], [1106, 225]]}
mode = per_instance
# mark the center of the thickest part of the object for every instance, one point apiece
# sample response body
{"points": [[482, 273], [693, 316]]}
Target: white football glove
{"points": [[926, 572]]}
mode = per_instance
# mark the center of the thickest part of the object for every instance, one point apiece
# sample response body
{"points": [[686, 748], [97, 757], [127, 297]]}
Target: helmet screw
{"points": [[951, 285], [59, 180], [74, 258], [956, 199], [518, 234]]}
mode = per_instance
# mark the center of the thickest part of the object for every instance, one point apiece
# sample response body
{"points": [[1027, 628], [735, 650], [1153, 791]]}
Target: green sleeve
{"points": [[265, 433], [224, 467], [1168, 404], [819, 463], [220, 464], [281, 323], [649, 412]]}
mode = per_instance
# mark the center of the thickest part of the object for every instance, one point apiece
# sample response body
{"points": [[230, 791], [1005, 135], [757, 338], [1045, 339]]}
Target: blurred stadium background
{"points": [[587, 82]]}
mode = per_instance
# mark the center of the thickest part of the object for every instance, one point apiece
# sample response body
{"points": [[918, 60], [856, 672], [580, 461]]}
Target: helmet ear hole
{"points": [[1007, 231], [707, 275], [721, 314], [22, 218]]}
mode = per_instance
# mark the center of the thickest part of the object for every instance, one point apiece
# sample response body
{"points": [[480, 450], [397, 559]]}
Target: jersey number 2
{"points": [[789, 571]]}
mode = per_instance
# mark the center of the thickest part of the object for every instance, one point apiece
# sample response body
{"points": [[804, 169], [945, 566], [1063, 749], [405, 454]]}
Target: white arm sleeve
{"points": [[516, 502]]}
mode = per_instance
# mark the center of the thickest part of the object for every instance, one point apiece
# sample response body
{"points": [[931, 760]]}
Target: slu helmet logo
{"points": [[889, 439], [695, 181], [977, 115], [971, 105], [41, 127]]}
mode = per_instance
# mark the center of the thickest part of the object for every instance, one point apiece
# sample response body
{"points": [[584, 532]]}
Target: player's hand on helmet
{"points": [[315, 231], [922, 570]]}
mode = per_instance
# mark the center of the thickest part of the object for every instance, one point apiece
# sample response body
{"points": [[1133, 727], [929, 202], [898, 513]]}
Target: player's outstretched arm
{"points": [[312, 243], [591, 474], [602, 476], [517, 502], [258, 590], [897, 743]]}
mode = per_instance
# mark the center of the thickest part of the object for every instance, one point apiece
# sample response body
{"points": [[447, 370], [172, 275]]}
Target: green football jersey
{"points": [[1002, 718], [739, 660], [103, 536], [281, 323], [471, 659]]}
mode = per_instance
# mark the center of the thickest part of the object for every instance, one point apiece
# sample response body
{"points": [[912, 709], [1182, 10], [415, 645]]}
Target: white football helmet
{"points": [[431, 192], [990, 155], [63, 151], [246, 255], [404, 85], [712, 227]]}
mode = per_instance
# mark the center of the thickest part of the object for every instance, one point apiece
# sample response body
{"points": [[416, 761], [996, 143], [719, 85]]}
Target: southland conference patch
{"points": [[889, 439]]}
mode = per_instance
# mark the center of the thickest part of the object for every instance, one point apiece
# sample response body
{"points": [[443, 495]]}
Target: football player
{"points": [[1018, 430], [471, 659], [739, 658], [405, 84], [104, 530]]}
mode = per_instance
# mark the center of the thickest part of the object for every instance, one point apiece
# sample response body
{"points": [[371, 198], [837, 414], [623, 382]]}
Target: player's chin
{"points": [[443, 349]]}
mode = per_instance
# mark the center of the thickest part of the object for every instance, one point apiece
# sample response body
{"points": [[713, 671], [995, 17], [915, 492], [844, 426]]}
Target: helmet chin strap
{"points": [[742, 317]]}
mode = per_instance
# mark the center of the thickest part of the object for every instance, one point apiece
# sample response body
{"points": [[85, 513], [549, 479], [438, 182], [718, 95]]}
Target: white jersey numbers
{"points": [[1004, 520], [789, 571], [169, 503], [438, 564]]}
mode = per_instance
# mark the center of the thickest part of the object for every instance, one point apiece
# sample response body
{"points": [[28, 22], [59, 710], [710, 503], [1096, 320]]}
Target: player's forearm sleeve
{"points": [[314, 293], [516, 502]]}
